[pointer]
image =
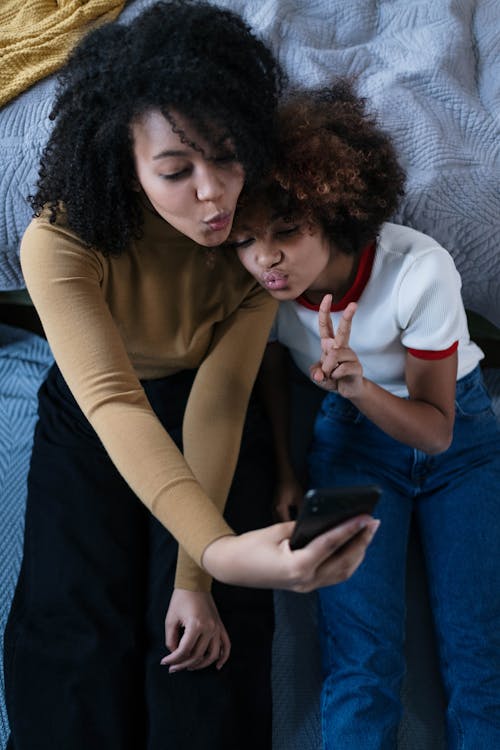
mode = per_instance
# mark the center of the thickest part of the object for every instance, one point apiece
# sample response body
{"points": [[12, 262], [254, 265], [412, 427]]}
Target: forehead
{"points": [[254, 217], [266, 204], [153, 132], [155, 136], [260, 211]]}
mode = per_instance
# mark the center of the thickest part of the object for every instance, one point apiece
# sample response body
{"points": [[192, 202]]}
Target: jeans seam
{"points": [[459, 727]]}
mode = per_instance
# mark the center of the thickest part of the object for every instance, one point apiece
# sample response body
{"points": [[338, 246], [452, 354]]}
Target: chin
{"points": [[282, 295], [213, 239]]}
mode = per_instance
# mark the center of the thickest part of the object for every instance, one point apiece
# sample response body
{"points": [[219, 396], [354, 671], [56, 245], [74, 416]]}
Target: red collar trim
{"points": [[354, 293]]}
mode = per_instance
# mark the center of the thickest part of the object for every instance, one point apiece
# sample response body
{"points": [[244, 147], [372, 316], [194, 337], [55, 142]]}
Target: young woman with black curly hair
{"points": [[157, 344], [406, 408]]}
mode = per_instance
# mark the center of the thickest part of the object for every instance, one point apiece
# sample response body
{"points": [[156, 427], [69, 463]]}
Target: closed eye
{"points": [[288, 231], [176, 175], [239, 244]]}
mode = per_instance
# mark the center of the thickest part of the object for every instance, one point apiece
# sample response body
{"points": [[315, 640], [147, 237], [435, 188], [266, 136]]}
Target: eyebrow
{"points": [[165, 154]]}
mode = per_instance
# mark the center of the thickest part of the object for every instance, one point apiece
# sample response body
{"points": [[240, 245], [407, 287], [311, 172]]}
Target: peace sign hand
{"points": [[339, 369]]}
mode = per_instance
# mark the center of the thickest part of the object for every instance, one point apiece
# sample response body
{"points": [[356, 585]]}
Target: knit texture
{"points": [[37, 35], [24, 362]]}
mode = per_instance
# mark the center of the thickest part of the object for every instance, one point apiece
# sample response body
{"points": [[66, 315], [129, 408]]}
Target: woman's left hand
{"points": [[194, 632]]}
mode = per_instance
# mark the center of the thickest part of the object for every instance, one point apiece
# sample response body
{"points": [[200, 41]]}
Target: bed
{"points": [[431, 70]]}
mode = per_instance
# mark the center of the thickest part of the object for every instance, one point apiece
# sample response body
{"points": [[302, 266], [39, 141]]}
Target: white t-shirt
{"points": [[408, 294]]}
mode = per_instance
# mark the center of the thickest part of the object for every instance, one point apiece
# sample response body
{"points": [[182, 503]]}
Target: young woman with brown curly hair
{"points": [[157, 341], [372, 312]]}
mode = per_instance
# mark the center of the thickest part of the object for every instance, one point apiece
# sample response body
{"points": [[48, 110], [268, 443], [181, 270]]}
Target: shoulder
{"points": [[413, 251], [404, 241], [52, 248]]}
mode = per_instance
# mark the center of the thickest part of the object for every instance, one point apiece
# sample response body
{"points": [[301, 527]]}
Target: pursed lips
{"points": [[218, 221], [274, 280]]}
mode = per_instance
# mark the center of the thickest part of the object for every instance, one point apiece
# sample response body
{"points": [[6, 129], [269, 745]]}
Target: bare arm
{"points": [[424, 420], [263, 558]]}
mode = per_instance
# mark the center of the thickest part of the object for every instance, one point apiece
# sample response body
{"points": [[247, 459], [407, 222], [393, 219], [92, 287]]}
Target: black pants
{"points": [[86, 631]]}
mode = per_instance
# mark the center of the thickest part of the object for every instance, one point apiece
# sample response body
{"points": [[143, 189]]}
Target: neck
{"points": [[337, 279]]}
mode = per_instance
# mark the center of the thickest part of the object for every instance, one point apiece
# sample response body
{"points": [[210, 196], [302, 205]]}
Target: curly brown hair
{"points": [[335, 167]]}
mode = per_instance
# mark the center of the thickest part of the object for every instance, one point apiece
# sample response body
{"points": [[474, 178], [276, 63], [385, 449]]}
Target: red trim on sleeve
{"points": [[421, 354], [354, 293]]}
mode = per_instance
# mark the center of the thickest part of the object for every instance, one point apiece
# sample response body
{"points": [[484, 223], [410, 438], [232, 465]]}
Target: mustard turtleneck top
{"points": [[157, 309]]}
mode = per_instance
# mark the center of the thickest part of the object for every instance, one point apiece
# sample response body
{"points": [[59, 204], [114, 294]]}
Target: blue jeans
{"points": [[456, 498]]}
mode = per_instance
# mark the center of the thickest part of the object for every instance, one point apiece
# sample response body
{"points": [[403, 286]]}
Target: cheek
{"points": [[169, 199], [319, 257], [233, 192], [244, 259], [237, 180]]}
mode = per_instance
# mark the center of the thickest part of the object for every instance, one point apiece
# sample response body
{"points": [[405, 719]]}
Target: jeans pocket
{"points": [[335, 408], [473, 400]]}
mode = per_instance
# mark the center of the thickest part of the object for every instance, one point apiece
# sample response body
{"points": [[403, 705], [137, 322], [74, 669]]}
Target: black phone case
{"points": [[324, 508]]}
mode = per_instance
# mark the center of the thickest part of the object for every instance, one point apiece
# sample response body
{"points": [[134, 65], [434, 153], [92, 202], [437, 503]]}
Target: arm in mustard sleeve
{"points": [[216, 408], [64, 281]]}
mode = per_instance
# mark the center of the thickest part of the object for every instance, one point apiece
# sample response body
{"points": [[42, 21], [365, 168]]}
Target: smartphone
{"points": [[325, 508]]}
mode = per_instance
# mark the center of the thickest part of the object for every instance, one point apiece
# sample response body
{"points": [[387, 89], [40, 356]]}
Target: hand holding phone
{"points": [[324, 508]]}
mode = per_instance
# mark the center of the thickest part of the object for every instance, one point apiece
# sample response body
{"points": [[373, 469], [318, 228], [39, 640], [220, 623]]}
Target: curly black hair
{"points": [[202, 61], [335, 167]]}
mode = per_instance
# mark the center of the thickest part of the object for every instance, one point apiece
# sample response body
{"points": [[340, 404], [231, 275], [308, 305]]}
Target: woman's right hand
{"points": [[263, 558]]}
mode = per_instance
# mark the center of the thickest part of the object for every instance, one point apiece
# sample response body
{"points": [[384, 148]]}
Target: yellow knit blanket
{"points": [[37, 35]]}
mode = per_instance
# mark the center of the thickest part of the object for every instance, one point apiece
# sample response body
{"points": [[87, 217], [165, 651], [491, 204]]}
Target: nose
{"points": [[267, 254], [210, 185]]}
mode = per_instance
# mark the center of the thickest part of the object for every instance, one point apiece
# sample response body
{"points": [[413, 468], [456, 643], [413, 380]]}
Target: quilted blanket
{"points": [[24, 362], [429, 68]]}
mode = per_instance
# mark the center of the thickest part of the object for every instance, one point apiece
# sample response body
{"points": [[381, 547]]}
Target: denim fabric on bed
{"points": [[24, 361]]}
